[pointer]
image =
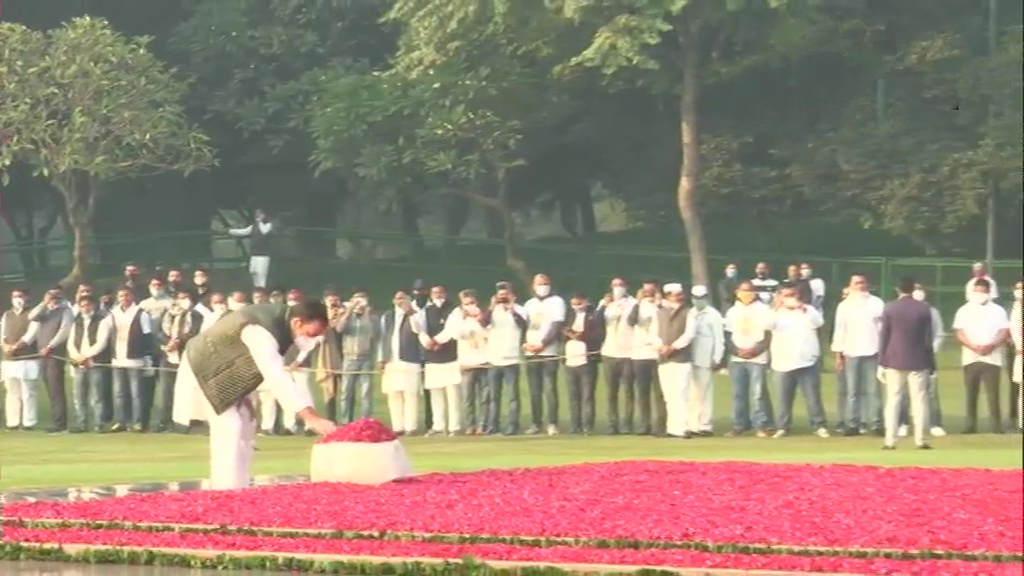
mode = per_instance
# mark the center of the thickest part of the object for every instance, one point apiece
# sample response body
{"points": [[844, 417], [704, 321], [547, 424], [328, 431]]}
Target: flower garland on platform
{"points": [[534, 542]]}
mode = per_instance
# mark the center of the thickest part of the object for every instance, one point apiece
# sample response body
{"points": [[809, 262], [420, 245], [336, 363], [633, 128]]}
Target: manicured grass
{"points": [[35, 459]]}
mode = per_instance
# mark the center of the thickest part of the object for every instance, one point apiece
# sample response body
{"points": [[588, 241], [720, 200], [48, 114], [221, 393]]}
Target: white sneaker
{"points": [[937, 431], [903, 430], [822, 433], [552, 430], [779, 434]]}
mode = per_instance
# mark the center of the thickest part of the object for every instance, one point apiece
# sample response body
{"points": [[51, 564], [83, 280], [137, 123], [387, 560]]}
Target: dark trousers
{"points": [[148, 391], [428, 410], [542, 379], [53, 377], [645, 380], [500, 378], [165, 394], [1008, 358], [618, 375], [581, 382], [976, 375], [106, 397]]}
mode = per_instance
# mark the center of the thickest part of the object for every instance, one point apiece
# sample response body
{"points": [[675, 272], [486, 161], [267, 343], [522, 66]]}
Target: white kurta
{"points": [[443, 380], [21, 378], [233, 432], [1017, 336]]}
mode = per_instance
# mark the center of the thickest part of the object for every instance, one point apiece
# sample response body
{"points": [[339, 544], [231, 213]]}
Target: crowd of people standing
{"points": [[451, 364]]}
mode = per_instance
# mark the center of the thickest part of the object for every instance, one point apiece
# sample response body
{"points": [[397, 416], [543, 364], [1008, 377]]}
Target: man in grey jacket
{"points": [[55, 318]]}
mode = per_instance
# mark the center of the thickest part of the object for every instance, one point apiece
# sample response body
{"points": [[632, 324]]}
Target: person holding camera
{"points": [[506, 323], [358, 330], [55, 318]]}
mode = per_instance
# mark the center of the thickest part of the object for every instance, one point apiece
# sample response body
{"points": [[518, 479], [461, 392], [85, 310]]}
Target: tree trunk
{"points": [[689, 173], [513, 259], [79, 253], [409, 218], [80, 202]]}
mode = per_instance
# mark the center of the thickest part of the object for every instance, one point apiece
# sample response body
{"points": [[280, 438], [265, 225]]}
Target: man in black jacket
{"points": [[584, 334], [438, 327]]}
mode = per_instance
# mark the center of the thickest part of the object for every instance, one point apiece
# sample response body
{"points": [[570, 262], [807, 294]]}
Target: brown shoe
{"points": [[734, 433]]}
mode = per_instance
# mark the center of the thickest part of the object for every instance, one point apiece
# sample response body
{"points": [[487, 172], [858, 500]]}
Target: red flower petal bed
{"points": [[499, 552], [369, 430], [720, 503]]}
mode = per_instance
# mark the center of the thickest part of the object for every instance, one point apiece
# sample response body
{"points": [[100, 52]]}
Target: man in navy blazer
{"points": [[906, 358]]}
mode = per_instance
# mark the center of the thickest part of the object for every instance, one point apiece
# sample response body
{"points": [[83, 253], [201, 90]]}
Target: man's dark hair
{"points": [[20, 289], [360, 290], [156, 279], [330, 291], [906, 285], [202, 270], [983, 283], [309, 311], [88, 298], [259, 290], [185, 292], [503, 286], [55, 287], [651, 281], [579, 296]]}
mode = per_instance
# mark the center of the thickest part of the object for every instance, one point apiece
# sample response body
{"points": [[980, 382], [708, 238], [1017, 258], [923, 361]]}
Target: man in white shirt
{"points": [[748, 324], [979, 272], [218, 308], [982, 328], [764, 285], [707, 350], [1016, 326], [131, 331], [644, 356], [615, 354], [855, 344], [546, 315], [259, 247], [20, 363], [472, 354], [795, 351], [584, 332], [88, 350], [676, 331], [506, 324], [251, 342]]}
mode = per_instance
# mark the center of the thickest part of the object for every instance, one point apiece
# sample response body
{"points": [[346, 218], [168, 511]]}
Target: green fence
{"points": [[384, 262]]}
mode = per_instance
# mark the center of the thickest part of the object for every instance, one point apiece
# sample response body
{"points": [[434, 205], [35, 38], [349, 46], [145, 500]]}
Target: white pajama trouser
{"points": [[404, 408], [232, 443], [259, 269], [913, 383], [702, 401], [675, 387], [446, 404], [268, 409], [21, 403]]}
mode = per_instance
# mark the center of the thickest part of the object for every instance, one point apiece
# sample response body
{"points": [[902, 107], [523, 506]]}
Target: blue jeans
{"points": [[128, 396], [542, 379], [808, 381], [474, 397], [841, 391], [87, 396], [500, 378], [359, 378], [748, 379], [934, 405], [863, 393]]}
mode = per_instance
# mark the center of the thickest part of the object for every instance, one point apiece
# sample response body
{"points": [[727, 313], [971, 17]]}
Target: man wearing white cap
{"points": [[707, 350], [675, 368]]}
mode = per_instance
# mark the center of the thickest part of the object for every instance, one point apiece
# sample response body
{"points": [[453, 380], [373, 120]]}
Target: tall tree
{"points": [[84, 105]]}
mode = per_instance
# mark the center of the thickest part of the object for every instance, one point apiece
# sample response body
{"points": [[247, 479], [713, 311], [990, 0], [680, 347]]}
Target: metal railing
{"points": [[386, 259]]}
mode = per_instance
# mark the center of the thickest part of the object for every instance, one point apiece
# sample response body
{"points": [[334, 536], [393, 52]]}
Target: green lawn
{"points": [[35, 459]]}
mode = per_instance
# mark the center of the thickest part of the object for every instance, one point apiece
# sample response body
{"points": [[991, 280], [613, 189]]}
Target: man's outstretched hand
{"points": [[317, 423]]}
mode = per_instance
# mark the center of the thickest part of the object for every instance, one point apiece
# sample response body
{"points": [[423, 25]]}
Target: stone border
{"points": [[86, 493]]}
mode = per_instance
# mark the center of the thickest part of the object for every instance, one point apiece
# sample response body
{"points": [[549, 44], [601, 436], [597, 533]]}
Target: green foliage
{"points": [[84, 100]]}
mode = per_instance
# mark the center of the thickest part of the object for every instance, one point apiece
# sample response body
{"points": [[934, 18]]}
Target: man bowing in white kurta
{"points": [[438, 326], [225, 364]]}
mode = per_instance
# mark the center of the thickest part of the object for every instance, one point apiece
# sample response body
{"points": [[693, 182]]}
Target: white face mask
{"points": [[979, 297], [471, 308], [918, 295], [184, 304], [793, 303], [1018, 294], [618, 292], [305, 343], [292, 303], [670, 304], [156, 292], [730, 272], [542, 290], [18, 303], [220, 308]]}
